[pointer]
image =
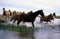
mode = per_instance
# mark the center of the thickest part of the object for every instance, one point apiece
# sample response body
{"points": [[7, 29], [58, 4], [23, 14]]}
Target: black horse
{"points": [[27, 18]]}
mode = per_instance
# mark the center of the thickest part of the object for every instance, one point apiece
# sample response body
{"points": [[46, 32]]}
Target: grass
{"points": [[2, 19], [16, 28]]}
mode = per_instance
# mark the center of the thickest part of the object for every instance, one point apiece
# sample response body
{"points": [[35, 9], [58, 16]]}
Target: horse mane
{"points": [[50, 15], [30, 13]]}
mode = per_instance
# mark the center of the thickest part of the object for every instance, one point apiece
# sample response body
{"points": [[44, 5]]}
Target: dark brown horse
{"points": [[29, 17], [47, 18]]}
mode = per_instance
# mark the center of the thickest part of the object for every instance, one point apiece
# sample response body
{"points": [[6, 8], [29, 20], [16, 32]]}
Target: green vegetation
{"points": [[2, 19], [16, 28]]}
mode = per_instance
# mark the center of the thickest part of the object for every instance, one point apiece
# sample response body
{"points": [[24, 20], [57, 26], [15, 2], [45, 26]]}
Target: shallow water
{"points": [[51, 32], [41, 31]]}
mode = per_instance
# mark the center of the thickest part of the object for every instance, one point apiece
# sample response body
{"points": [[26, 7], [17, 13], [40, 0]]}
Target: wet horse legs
{"points": [[33, 24], [18, 22]]}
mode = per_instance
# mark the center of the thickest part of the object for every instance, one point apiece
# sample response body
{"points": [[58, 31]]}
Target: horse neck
{"points": [[35, 14]]}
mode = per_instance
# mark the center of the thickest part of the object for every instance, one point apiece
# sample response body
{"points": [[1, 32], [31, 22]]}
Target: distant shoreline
{"points": [[57, 16]]}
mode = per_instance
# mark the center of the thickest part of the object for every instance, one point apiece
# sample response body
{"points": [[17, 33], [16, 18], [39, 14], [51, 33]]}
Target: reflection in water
{"points": [[46, 32], [43, 31], [27, 35], [16, 35]]}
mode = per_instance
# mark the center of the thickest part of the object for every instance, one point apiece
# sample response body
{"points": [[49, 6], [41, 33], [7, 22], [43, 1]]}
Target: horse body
{"points": [[29, 17]]}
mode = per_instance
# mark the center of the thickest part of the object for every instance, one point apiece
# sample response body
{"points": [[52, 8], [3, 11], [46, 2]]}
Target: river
{"points": [[43, 31]]}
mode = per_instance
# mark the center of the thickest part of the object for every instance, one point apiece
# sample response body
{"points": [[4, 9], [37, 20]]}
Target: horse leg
{"points": [[47, 22], [18, 22], [23, 22], [41, 21], [33, 24], [11, 19], [50, 22], [14, 21]]}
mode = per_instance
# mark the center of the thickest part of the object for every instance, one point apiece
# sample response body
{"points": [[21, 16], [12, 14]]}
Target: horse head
{"points": [[40, 12], [54, 14]]}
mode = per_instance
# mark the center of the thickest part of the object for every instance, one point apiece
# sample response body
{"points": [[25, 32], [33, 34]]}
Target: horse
{"points": [[6, 13], [47, 18], [28, 17], [17, 16]]}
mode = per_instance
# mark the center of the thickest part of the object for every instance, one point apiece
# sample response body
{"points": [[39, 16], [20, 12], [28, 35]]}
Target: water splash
{"points": [[36, 23]]}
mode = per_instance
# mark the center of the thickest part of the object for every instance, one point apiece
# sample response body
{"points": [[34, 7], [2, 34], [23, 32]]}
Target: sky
{"points": [[48, 6]]}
